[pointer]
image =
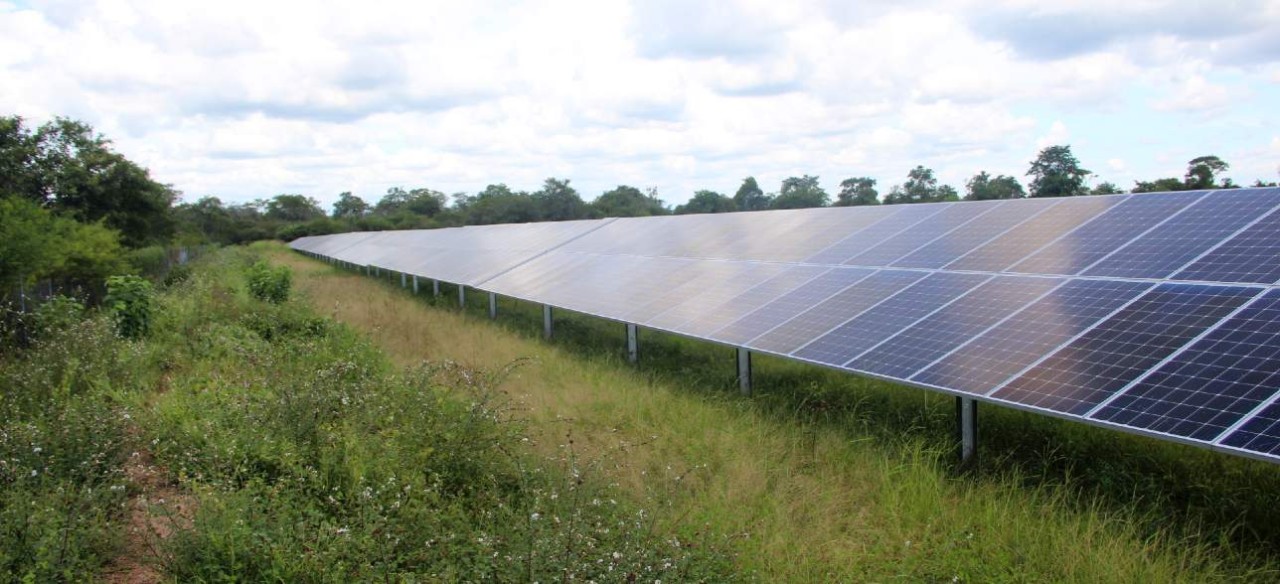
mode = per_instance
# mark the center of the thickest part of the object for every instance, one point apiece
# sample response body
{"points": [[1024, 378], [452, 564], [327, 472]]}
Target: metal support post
{"points": [[744, 370], [967, 427], [462, 296], [633, 343], [546, 321], [404, 280], [493, 306], [415, 285], [435, 287], [368, 271]]}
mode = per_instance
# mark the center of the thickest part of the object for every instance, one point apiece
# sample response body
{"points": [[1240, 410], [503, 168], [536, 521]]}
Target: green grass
{"points": [[822, 475]]}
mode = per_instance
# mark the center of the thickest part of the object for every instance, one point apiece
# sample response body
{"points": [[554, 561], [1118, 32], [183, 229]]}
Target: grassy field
{"points": [[826, 477]]}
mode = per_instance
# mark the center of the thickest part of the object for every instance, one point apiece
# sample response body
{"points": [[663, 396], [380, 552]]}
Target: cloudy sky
{"points": [[250, 99]]}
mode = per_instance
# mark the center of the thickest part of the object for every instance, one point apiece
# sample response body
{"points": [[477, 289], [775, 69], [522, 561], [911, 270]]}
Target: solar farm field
{"points": [[819, 475]]}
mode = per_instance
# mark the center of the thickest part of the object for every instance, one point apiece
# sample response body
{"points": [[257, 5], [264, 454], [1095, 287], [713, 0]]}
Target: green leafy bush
{"points": [[177, 275], [268, 283], [56, 314], [151, 262], [130, 299]]}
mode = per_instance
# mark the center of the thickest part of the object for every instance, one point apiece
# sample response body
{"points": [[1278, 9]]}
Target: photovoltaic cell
{"points": [[1212, 384], [915, 348], [1000, 353], [1115, 352], [1015, 244], [1182, 238], [889, 317], [965, 238], [1260, 434], [739, 306], [905, 242], [715, 284], [857, 242], [823, 317], [784, 308], [1251, 256], [1092, 241]]}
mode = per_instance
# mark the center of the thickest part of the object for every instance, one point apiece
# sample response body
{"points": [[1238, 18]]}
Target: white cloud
{"points": [[248, 99]]}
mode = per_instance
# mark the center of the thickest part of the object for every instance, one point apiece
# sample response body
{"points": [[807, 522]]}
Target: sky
{"points": [[245, 100]]}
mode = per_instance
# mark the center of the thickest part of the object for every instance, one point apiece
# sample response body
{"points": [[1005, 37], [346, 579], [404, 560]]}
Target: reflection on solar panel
{"points": [[1213, 383], [1154, 313]]}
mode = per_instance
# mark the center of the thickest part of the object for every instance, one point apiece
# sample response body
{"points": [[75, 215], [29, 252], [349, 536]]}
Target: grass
{"points": [[823, 476]]}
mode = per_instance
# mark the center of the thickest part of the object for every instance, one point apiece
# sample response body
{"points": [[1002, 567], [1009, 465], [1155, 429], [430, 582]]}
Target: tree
{"points": [[628, 201], [920, 187], [707, 202], [497, 203], [749, 196], [801, 193], [984, 187], [421, 201], [1057, 173], [857, 191], [1202, 171], [557, 201], [37, 243], [349, 206], [1105, 188], [293, 208], [1159, 185]]}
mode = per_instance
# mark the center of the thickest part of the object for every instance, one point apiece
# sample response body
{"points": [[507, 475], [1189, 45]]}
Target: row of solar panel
{"points": [[1220, 236], [1140, 354]]}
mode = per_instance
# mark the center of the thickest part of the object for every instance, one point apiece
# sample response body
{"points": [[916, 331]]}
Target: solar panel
{"points": [[1260, 434], [915, 347], [884, 318], [1154, 313], [1117, 226], [1116, 351], [1183, 237], [1213, 383]]}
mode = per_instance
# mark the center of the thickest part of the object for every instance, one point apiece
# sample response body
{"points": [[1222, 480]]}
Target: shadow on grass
{"points": [[1227, 501]]}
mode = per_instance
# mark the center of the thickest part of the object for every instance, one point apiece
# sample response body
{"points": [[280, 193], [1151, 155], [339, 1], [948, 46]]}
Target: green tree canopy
{"points": [[1203, 171], [293, 208], [1105, 188], [749, 196], [858, 191], [64, 165], [557, 201], [628, 201], [707, 202], [984, 187], [920, 187], [420, 201], [349, 206], [37, 243], [497, 203], [801, 193], [1057, 173]]}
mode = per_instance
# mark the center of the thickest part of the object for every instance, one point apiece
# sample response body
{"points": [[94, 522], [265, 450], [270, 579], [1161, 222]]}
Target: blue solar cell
{"points": [[1260, 434], [1000, 353], [1015, 244], [1251, 256], [795, 302], [951, 217], [741, 305], [1213, 383], [858, 241], [824, 316], [915, 348], [1185, 236], [889, 317], [969, 236], [1092, 241], [1115, 352]]}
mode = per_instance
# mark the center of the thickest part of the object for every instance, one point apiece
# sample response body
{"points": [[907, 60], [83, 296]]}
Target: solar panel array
{"points": [[1155, 313]]}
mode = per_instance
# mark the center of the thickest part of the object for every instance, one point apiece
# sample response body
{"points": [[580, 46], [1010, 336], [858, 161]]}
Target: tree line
{"points": [[71, 207]]}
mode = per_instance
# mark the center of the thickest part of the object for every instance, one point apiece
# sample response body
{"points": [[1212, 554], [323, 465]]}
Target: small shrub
{"points": [[178, 274], [57, 313], [270, 284], [151, 262], [130, 300]]}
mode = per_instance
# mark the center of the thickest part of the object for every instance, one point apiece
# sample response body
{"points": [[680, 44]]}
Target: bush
{"points": [[151, 262], [56, 314], [130, 300], [177, 275], [270, 284]]}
